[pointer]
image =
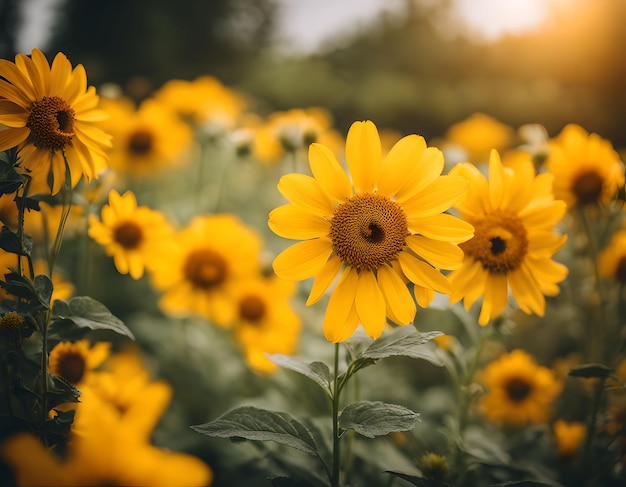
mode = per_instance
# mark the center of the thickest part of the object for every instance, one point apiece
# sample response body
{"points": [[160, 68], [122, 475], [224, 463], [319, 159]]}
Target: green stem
{"points": [[336, 452], [586, 451]]}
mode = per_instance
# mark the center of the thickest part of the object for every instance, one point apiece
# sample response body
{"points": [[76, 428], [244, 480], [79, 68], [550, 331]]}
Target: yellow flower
{"points": [[612, 260], [75, 361], [478, 134], [513, 214], [135, 236], [49, 113], [145, 139], [586, 169], [207, 260], [568, 436], [379, 230], [519, 390], [43, 225], [265, 322]]}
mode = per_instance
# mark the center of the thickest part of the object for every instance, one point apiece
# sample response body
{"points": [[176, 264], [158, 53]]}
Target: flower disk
{"points": [[368, 231]]}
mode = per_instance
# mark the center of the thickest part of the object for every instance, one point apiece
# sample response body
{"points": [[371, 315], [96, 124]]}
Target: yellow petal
{"points": [[303, 260], [423, 274], [290, 221], [329, 173], [496, 179], [324, 279], [12, 137], [423, 295], [526, 291], [341, 318], [444, 227], [370, 305], [496, 298], [363, 155], [399, 162], [441, 195], [425, 170], [443, 255], [463, 280], [306, 192], [400, 305]]}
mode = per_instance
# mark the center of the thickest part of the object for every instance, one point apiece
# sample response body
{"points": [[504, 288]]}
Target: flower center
{"points": [[368, 231], [252, 308], [588, 187], [205, 269], [71, 367], [12, 321], [140, 142], [128, 235], [620, 273], [500, 242], [517, 389], [51, 123]]}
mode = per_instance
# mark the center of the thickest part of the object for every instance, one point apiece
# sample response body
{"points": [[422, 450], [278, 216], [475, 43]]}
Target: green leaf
{"points": [[10, 242], [252, 423], [316, 371], [375, 418], [591, 371], [86, 312], [288, 482], [43, 287], [523, 483], [404, 341], [419, 481]]}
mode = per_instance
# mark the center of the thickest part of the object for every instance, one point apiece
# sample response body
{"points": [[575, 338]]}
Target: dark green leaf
{"points": [[43, 287], [523, 483], [419, 481], [288, 482], [257, 424], [377, 418], [404, 341], [316, 371], [591, 370], [19, 286], [86, 312], [10, 242]]}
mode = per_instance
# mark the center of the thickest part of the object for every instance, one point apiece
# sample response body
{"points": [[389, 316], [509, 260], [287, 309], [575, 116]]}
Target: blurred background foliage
{"points": [[413, 69]]}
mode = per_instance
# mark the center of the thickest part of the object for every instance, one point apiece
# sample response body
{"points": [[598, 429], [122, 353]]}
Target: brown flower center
{"points": [[500, 242], [368, 231], [71, 367], [587, 187], [205, 269], [51, 123], [517, 389], [128, 234], [140, 142], [252, 308], [12, 321]]}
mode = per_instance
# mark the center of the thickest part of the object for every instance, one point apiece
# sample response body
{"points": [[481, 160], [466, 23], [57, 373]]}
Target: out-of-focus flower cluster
{"points": [[172, 212]]}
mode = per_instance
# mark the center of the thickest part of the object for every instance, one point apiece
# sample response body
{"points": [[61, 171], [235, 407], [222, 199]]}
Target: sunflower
{"points": [[568, 436], [519, 390], [75, 361], [207, 259], [145, 138], [49, 113], [265, 322], [378, 231], [135, 236], [586, 169], [612, 260], [513, 214]]}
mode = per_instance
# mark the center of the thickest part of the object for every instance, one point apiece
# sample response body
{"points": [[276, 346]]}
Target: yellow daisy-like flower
{"points": [[513, 214], [587, 171], [568, 436], [145, 139], [380, 230], [612, 260], [49, 113], [478, 134], [135, 236], [519, 390], [75, 361], [207, 260], [265, 322]]}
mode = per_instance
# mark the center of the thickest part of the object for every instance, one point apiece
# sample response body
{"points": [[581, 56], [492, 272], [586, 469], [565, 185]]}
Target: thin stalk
{"points": [[336, 452], [586, 451]]}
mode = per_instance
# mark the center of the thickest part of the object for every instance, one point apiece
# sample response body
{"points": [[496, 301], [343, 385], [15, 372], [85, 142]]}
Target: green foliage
{"points": [[376, 418]]}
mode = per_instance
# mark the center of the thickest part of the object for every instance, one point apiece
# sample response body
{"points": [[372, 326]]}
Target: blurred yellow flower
{"points": [[266, 322], [75, 361], [49, 114], [135, 236], [513, 214], [612, 260], [8, 211], [205, 103], [519, 390], [586, 169], [382, 228], [294, 130], [568, 436], [208, 258], [478, 134], [43, 225], [145, 139]]}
